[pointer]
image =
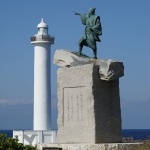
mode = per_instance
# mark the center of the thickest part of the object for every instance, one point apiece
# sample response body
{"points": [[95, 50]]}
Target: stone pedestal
{"points": [[88, 107]]}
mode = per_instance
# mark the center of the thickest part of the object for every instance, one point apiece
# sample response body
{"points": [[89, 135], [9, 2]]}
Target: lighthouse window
{"points": [[45, 30]]}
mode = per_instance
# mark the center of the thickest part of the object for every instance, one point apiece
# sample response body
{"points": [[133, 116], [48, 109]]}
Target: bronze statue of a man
{"points": [[92, 31]]}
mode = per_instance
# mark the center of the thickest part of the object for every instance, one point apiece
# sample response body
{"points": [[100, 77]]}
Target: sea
{"points": [[137, 134]]}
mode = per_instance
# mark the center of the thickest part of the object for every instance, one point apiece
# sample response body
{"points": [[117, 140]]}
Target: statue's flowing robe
{"points": [[90, 36]]}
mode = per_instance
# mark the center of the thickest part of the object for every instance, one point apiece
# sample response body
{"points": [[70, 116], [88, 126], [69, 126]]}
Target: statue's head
{"points": [[91, 11]]}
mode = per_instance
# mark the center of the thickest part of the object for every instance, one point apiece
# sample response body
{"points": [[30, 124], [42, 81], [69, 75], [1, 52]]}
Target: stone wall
{"points": [[107, 146]]}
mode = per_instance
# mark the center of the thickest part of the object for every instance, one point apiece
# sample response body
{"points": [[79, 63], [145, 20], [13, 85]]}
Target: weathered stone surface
{"points": [[65, 58], [83, 146], [88, 108], [108, 69]]}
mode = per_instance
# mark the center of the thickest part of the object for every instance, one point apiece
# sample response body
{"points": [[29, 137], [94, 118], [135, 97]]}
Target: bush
{"points": [[12, 144]]}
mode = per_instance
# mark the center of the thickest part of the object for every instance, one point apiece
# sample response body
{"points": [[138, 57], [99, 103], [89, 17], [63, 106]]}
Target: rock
{"points": [[131, 140], [108, 69], [65, 58], [128, 140]]}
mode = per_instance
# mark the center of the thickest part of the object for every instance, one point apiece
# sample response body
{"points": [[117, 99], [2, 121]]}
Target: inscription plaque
{"points": [[51, 148], [75, 106]]}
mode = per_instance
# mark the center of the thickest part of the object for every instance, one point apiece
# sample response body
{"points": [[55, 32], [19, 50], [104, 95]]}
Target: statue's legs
{"points": [[85, 43], [80, 49], [95, 53]]}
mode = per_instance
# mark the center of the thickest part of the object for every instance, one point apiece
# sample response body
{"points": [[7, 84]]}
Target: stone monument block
{"points": [[109, 69], [88, 107]]}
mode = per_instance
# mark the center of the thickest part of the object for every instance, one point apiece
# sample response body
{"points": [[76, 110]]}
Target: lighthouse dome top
{"points": [[42, 24]]}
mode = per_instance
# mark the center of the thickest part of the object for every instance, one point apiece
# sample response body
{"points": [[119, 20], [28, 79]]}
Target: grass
{"points": [[145, 146]]}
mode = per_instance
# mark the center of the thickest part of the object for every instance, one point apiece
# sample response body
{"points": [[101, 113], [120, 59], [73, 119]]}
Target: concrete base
{"points": [[106, 146], [88, 108], [32, 137]]}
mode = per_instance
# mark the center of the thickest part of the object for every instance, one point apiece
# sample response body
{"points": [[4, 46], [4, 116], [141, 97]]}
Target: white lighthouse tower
{"points": [[42, 91], [41, 132]]}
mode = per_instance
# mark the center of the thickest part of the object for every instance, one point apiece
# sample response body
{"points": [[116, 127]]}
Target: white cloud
{"points": [[15, 101], [25, 101], [137, 103], [136, 108]]}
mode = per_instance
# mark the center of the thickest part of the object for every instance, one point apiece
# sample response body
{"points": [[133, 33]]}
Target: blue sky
{"points": [[126, 38]]}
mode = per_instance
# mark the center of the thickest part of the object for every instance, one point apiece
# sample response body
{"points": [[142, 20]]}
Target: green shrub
{"points": [[12, 144]]}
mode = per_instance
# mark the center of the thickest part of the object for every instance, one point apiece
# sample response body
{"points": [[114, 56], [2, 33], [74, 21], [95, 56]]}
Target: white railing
{"points": [[42, 38], [31, 137]]}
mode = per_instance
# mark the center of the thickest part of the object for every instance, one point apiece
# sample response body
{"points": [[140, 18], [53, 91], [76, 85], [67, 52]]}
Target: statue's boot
{"points": [[94, 53], [80, 52], [94, 57], [80, 49]]}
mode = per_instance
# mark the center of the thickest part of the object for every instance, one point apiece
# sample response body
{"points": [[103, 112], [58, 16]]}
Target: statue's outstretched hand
{"points": [[76, 13]]}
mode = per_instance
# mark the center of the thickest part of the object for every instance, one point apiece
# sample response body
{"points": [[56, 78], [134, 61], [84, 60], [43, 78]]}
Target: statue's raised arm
{"points": [[76, 13]]}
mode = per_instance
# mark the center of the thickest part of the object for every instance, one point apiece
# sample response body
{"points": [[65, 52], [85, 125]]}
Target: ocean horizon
{"points": [[137, 134]]}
